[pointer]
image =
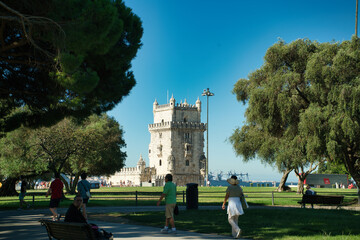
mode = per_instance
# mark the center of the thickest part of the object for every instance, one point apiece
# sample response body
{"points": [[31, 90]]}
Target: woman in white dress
{"points": [[234, 209]]}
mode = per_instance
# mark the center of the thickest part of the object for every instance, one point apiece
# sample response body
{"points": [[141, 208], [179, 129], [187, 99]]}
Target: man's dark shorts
{"points": [[54, 203]]}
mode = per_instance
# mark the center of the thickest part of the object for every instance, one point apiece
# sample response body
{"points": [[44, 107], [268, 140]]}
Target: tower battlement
{"points": [[177, 125]]}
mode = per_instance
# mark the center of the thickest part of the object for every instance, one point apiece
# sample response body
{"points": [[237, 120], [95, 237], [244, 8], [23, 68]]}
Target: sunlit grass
{"points": [[259, 223], [147, 196]]}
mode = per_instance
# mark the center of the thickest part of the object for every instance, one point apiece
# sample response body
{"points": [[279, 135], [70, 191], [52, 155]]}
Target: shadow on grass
{"points": [[262, 223]]}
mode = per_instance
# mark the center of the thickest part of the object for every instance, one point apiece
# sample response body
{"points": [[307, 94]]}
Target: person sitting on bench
{"points": [[74, 214], [309, 191]]}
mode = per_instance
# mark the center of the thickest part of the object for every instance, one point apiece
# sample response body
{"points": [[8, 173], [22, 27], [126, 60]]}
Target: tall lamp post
{"points": [[208, 94]]}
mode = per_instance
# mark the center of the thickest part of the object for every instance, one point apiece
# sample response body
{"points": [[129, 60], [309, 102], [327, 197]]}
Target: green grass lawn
{"points": [[125, 196], [256, 223]]}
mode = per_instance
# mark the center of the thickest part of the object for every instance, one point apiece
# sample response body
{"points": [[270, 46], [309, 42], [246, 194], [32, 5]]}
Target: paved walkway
{"points": [[24, 225]]}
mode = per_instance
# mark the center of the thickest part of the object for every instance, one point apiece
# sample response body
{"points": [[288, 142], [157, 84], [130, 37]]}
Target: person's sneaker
{"points": [[238, 234], [165, 230], [173, 231]]}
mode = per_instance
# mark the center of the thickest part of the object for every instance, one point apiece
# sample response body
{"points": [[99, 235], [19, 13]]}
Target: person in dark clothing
{"points": [[74, 214], [23, 193], [309, 191]]}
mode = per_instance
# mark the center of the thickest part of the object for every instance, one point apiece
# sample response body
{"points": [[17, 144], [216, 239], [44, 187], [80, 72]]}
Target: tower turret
{"points": [[198, 104], [155, 104], [172, 102], [141, 163]]}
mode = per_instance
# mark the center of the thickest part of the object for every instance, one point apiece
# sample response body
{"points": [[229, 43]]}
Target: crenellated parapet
{"points": [[177, 125], [178, 106], [128, 170]]}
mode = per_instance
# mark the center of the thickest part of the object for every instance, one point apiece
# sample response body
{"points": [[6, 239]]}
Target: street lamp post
{"points": [[208, 94]]}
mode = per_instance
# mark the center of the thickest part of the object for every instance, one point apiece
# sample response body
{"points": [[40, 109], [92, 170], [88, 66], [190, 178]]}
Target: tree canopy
{"points": [[303, 107], [64, 58], [68, 147]]}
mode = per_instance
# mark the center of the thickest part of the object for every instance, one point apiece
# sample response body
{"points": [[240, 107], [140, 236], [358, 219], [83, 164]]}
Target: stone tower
{"points": [[177, 142]]}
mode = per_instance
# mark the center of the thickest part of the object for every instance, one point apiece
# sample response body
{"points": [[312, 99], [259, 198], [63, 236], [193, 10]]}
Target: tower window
{"points": [[187, 162], [160, 135], [187, 137], [160, 162]]}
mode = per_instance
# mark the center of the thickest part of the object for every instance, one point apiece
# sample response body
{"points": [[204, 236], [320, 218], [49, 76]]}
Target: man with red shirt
{"points": [[56, 191]]}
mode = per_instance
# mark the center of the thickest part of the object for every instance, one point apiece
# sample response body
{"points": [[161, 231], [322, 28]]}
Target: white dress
{"points": [[234, 207]]}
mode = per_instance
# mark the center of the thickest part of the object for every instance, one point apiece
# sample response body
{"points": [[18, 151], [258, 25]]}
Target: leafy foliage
{"points": [[68, 147], [64, 58], [303, 107]]}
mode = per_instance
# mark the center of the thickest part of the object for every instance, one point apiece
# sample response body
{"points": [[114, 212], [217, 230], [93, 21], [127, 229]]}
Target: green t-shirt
{"points": [[170, 191]]}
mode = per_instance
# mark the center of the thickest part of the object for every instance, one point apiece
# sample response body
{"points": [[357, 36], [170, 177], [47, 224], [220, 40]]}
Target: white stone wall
{"points": [[175, 127], [125, 178]]}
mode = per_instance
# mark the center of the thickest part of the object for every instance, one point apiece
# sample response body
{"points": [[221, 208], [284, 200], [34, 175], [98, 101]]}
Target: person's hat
{"points": [[233, 180]]}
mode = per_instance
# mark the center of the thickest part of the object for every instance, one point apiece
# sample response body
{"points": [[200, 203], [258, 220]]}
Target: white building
{"points": [[176, 147]]}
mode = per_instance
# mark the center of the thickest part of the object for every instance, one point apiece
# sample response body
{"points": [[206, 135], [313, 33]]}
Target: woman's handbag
{"points": [[88, 194], [243, 202]]}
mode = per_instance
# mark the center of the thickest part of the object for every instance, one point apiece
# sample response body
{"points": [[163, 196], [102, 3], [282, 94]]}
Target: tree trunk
{"points": [[300, 186], [74, 183], [8, 187], [66, 184], [284, 177], [354, 171]]}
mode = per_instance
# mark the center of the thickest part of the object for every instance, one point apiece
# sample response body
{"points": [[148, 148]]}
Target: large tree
{"points": [[64, 58], [304, 106], [276, 95], [68, 147]]}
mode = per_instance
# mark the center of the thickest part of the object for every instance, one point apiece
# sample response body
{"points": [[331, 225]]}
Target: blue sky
{"points": [[190, 45]]}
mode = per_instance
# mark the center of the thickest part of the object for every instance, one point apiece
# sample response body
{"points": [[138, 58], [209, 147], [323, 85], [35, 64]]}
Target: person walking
{"points": [[233, 193], [23, 189], [169, 193], [83, 188], [56, 192]]}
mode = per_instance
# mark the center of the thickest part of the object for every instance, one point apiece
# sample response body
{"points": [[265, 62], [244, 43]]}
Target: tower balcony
{"points": [[177, 125]]}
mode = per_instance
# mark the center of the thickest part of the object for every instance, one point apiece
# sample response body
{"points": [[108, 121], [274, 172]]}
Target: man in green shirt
{"points": [[169, 194]]}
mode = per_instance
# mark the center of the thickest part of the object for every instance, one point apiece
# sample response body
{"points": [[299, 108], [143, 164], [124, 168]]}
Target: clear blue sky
{"points": [[190, 45]]}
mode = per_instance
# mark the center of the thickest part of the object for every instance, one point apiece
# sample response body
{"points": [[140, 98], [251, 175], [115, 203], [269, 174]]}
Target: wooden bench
{"points": [[68, 231], [321, 199]]}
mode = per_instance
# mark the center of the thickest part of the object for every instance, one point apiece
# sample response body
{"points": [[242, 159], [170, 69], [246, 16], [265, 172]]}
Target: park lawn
{"points": [[257, 223], [125, 196]]}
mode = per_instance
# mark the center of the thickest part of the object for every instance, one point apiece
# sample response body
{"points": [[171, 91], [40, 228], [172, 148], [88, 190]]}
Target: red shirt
{"points": [[56, 188]]}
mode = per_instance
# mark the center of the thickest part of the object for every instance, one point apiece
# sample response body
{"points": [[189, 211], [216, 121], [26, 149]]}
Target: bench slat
{"points": [[69, 231], [322, 199]]}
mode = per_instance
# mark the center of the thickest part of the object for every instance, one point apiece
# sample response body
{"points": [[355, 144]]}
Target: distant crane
{"points": [[238, 175], [211, 176], [219, 175]]}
